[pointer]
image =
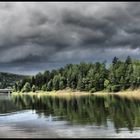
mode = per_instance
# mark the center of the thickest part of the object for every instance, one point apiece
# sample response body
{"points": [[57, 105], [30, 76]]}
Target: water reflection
{"points": [[85, 110], [7, 105]]}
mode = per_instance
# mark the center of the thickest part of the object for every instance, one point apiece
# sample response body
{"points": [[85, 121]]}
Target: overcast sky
{"points": [[46, 35]]}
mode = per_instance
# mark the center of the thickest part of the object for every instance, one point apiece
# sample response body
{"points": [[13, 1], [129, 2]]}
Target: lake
{"points": [[75, 117]]}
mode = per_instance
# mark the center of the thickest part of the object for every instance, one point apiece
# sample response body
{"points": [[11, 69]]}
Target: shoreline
{"points": [[129, 94], [60, 93], [69, 93]]}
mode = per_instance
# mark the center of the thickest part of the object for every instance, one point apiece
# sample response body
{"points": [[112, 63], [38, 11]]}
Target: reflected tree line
{"points": [[7, 106], [123, 112]]}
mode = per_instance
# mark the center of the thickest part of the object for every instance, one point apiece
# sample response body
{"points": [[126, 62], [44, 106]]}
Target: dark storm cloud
{"points": [[36, 36], [96, 30]]}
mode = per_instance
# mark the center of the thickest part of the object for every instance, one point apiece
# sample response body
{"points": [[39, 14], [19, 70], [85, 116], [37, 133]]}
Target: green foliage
{"points": [[92, 77], [44, 87], [33, 88], [8, 80], [93, 90], [80, 85], [61, 85], [56, 80], [26, 87], [106, 83], [108, 88], [49, 85], [62, 82], [115, 88]]}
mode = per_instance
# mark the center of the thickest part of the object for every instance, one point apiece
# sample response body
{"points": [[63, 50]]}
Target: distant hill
{"points": [[8, 79]]}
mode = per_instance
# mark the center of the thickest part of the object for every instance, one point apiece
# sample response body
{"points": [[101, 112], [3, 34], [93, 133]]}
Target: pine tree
{"points": [[33, 88], [26, 87]]}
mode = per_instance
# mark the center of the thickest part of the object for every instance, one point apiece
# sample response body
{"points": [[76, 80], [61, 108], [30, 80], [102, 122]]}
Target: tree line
{"points": [[92, 77], [7, 80]]}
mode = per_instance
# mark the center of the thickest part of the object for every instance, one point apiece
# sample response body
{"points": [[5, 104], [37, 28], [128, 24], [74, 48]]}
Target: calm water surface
{"points": [[75, 117]]}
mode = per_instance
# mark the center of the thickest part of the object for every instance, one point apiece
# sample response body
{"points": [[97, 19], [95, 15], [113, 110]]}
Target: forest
{"points": [[7, 80], [91, 77]]}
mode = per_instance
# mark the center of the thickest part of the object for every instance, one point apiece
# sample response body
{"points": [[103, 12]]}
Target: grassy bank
{"points": [[127, 93], [68, 93], [55, 93]]}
